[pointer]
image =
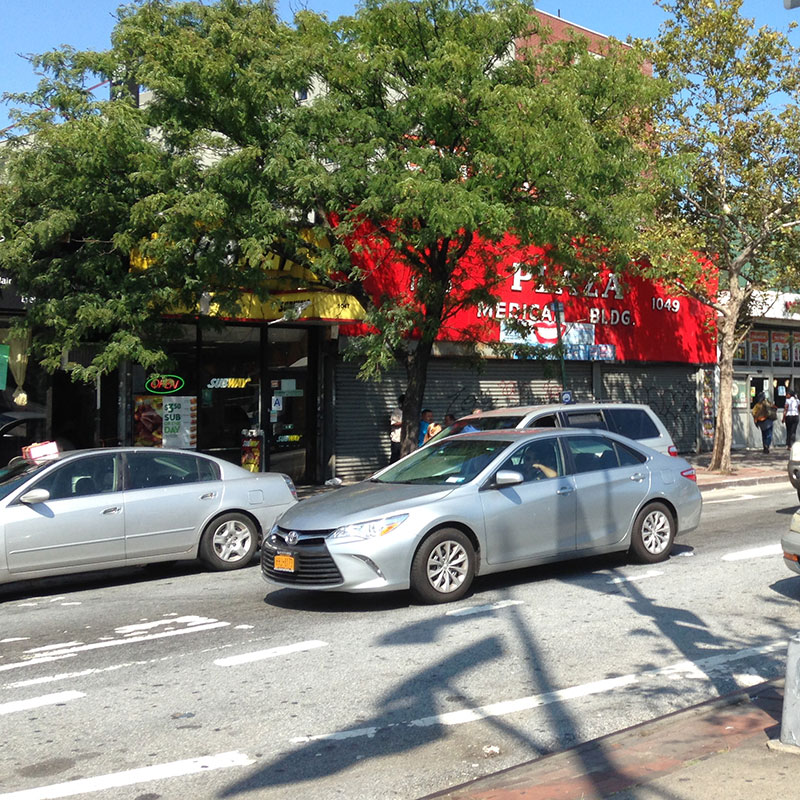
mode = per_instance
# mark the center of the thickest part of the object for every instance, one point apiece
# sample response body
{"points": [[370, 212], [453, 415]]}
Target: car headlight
{"points": [[369, 529]]}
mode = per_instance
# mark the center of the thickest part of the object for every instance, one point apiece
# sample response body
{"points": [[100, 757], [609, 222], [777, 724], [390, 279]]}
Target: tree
{"points": [[731, 131], [428, 136], [110, 222]]}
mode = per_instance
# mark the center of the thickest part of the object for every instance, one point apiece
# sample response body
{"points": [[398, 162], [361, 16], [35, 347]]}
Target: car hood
{"points": [[358, 502]]}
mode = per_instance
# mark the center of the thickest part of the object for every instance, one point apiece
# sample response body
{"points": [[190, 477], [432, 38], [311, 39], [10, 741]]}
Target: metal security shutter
{"points": [[454, 386], [670, 390], [361, 416]]}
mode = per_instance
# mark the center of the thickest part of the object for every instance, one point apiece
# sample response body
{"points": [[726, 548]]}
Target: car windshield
{"points": [[474, 424], [451, 462], [15, 474]]}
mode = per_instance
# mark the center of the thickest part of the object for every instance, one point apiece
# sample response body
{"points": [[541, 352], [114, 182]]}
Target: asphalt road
{"points": [[171, 682]]}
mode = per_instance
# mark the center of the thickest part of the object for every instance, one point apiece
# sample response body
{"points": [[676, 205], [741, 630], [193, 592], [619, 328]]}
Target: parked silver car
{"points": [[97, 509], [634, 420], [479, 503]]}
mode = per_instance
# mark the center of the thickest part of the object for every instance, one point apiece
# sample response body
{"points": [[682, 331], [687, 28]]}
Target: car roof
{"points": [[522, 411], [515, 434]]}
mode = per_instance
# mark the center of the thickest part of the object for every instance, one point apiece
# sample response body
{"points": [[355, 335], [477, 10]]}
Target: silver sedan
{"points": [[97, 509], [480, 503]]}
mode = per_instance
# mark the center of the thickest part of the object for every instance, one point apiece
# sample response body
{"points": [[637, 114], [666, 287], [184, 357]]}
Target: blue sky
{"points": [[35, 26]]}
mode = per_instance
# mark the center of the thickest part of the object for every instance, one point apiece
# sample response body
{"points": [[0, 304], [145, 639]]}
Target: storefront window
{"points": [[229, 389], [781, 350], [759, 347]]}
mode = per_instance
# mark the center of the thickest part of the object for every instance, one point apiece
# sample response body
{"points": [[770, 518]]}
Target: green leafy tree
{"points": [[112, 222], [420, 122], [731, 132]]}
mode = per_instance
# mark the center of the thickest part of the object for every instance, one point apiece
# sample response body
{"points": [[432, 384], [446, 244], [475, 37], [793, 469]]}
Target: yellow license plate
{"points": [[284, 563]]}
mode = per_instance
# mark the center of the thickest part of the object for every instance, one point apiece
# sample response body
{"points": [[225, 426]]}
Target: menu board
{"points": [[169, 421]]}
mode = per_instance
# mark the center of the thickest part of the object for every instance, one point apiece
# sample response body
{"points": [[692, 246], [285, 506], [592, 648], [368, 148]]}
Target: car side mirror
{"points": [[35, 496], [508, 477]]}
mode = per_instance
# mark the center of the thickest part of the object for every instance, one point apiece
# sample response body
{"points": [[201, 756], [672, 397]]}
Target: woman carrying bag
{"points": [[764, 415]]}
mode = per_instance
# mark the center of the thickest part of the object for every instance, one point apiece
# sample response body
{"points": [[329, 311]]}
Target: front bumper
{"points": [[346, 566]]}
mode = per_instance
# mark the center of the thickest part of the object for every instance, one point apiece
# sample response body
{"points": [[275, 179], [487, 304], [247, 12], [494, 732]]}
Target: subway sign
{"points": [[164, 384]]}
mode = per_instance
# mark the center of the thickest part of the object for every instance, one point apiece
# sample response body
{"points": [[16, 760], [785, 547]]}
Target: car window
{"points": [[79, 477], [149, 470], [585, 419], [15, 474], [546, 421], [592, 453], [635, 423], [537, 460], [452, 461], [628, 457]]}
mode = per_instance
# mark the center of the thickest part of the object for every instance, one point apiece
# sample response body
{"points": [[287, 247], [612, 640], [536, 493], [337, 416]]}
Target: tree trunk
{"points": [[723, 434], [416, 364]]}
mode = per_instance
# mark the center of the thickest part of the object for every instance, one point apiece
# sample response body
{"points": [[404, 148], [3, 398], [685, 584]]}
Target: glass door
{"points": [[289, 404]]}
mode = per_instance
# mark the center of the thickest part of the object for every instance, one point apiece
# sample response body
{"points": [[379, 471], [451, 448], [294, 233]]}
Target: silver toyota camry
{"points": [[479, 503], [96, 509]]}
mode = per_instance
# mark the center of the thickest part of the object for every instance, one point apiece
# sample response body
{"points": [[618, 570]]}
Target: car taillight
{"points": [[672, 450], [791, 556], [689, 474]]}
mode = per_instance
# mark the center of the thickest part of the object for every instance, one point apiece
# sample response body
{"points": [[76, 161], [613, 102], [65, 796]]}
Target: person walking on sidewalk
{"points": [[764, 415], [791, 416]]}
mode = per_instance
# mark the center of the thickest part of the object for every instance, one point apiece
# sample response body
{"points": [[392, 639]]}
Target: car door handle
{"points": [[112, 510], [208, 495], [565, 490], [637, 476]]}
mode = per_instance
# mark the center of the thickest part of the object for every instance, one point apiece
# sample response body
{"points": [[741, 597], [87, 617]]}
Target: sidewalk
{"points": [[711, 751], [749, 467], [725, 748]]}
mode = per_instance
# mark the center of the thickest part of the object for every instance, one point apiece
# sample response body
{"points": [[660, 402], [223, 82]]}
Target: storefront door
{"points": [[290, 403]]}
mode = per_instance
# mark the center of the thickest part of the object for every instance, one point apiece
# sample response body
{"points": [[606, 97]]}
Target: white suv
{"points": [[635, 421]]}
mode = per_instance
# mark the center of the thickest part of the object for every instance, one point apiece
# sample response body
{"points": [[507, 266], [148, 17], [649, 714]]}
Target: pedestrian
{"points": [[396, 428], [764, 415], [424, 423], [449, 419], [791, 416]]}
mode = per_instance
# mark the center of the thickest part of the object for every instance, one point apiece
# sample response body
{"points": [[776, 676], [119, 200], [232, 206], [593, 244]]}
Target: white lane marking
{"points": [[747, 679], [756, 552], [64, 676], [127, 630], [131, 777], [56, 599], [686, 669], [463, 612], [38, 702], [273, 652], [113, 643], [15, 639], [244, 627], [39, 660], [731, 499], [654, 573], [47, 647], [683, 553]]}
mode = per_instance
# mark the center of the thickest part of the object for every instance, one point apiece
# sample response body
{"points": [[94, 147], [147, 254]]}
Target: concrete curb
{"points": [[725, 483]]}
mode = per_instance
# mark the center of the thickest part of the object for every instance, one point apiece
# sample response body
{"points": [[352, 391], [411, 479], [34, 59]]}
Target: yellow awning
{"points": [[302, 306]]}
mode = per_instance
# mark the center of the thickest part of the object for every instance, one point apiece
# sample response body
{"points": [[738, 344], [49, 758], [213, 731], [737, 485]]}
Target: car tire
{"points": [[653, 534], [443, 567], [229, 542], [798, 493]]}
